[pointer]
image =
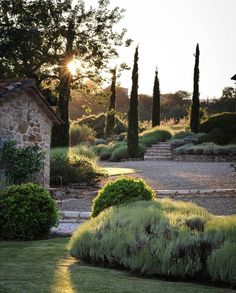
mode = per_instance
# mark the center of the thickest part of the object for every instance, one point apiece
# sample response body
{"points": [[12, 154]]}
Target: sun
{"points": [[73, 66]]}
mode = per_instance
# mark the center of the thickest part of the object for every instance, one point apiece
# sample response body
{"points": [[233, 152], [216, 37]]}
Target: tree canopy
{"points": [[39, 38], [35, 36]]}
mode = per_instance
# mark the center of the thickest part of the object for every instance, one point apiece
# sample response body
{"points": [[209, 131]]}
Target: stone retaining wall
{"points": [[203, 158]]}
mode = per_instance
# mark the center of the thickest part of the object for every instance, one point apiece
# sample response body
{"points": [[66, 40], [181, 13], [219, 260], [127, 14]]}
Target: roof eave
{"points": [[233, 77]]}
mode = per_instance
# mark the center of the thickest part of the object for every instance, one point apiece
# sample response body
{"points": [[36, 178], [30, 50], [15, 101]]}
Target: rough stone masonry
{"points": [[26, 117]]}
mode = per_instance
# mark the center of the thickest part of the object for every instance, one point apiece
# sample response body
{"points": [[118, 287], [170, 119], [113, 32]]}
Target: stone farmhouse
{"points": [[27, 118]]}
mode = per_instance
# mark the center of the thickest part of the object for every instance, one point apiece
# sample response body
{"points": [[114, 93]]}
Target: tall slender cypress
{"points": [[194, 118], [110, 121], [156, 109], [132, 135]]}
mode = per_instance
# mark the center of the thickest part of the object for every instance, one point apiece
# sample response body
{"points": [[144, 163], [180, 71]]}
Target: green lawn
{"points": [[44, 266]]}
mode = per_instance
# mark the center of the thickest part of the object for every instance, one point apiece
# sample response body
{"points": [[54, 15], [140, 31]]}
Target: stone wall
{"points": [[22, 120], [204, 158]]}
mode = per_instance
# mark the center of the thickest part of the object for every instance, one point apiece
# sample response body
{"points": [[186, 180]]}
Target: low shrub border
{"points": [[203, 158], [117, 151], [175, 240], [208, 152]]}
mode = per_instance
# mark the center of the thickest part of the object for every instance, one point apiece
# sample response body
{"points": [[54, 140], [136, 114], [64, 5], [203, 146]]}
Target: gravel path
{"points": [[217, 206], [175, 176], [183, 175]]}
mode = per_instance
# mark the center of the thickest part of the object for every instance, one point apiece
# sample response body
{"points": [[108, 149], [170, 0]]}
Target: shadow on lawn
{"points": [[85, 278]]}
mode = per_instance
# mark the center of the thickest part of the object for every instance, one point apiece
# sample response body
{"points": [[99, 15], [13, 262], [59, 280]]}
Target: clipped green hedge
{"points": [[226, 121], [220, 128], [27, 212], [121, 191], [160, 238]]}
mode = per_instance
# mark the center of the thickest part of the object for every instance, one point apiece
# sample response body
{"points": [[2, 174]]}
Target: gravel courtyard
{"points": [[183, 175], [170, 175]]}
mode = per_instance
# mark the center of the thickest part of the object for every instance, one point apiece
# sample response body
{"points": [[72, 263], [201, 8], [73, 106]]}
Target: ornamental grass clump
{"points": [[74, 165], [121, 191], [154, 135], [176, 240]]}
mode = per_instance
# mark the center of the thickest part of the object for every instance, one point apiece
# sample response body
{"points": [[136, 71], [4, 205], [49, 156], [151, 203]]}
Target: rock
{"points": [[23, 127]]}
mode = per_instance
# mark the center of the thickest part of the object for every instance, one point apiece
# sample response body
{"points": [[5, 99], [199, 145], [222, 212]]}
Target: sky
{"points": [[167, 32]]}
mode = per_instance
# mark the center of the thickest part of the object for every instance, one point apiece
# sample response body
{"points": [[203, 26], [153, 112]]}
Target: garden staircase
{"points": [[69, 222], [160, 151]]}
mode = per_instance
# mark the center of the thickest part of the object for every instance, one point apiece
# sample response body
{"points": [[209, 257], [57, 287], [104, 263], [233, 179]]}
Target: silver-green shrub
{"points": [[163, 238]]}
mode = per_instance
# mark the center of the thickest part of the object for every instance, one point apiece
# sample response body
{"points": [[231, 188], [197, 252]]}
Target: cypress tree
{"points": [[110, 121], [132, 135], [194, 118], [156, 109]]}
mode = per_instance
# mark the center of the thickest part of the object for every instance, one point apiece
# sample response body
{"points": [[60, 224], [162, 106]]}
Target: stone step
{"points": [[158, 152], [162, 144], [157, 149], [159, 146], [72, 220], [74, 217], [158, 155], [64, 229], [158, 158]]}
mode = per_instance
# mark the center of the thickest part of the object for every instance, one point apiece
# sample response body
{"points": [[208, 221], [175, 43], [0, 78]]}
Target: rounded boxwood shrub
{"points": [[120, 153], [105, 155], [27, 212], [122, 190]]}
